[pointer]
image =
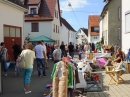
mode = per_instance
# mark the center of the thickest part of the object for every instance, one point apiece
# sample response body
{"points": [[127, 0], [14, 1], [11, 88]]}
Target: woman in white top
{"points": [[86, 47], [29, 56]]}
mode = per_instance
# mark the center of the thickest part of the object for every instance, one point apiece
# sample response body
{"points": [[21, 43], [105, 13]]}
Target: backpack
{"points": [[20, 62]]}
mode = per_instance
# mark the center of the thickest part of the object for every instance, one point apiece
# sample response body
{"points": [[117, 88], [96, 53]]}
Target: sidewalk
{"points": [[122, 90]]}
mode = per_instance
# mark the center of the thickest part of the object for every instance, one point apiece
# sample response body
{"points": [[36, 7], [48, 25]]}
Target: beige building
{"points": [[11, 23], [110, 22]]}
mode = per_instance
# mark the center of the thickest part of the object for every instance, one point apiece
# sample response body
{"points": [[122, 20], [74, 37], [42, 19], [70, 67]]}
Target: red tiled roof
{"points": [[93, 22], [46, 10], [34, 1]]}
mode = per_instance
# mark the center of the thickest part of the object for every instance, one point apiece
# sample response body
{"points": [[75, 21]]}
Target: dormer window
{"points": [[33, 11]]}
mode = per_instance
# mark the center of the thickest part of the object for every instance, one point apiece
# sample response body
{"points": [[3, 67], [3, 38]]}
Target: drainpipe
{"points": [[121, 24]]}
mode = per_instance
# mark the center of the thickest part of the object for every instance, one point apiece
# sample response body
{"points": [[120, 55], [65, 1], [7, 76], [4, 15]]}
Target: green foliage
{"points": [[112, 58]]}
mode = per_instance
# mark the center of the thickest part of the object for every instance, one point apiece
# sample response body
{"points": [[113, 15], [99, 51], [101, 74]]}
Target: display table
{"points": [[101, 55], [81, 71]]}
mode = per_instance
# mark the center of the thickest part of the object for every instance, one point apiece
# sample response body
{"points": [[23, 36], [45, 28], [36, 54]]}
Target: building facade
{"points": [[43, 18], [125, 25], [93, 29], [68, 34], [111, 22], [11, 23], [82, 36]]}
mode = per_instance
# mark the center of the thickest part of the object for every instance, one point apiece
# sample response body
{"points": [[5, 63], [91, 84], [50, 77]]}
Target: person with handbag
{"points": [[28, 55], [3, 57]]}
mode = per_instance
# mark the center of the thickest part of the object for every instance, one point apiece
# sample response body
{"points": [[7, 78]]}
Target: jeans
{"points": [[17, 69], [48, 55], [41, 61], [4, 66], [71, 54], [63, 54], [26, 75]]}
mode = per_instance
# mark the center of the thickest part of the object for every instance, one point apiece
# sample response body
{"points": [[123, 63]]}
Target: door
{"points": [[12, 34]]}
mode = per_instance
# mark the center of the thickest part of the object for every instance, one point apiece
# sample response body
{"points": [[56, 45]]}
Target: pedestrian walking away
{"points": [[40, 58], [56, 54], [71, 50]]}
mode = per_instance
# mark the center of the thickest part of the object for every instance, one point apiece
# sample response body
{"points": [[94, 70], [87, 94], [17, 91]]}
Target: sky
{"points": [[77, 14]]}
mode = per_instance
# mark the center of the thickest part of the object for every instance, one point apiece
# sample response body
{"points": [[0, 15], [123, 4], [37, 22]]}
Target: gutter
{"points": [[14, 5]]}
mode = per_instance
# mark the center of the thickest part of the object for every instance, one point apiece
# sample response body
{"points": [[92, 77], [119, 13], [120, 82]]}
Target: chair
{"points": [[111, 71]]}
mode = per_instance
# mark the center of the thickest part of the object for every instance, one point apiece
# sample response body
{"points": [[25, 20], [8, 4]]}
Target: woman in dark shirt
{"points": [[119, 56]]}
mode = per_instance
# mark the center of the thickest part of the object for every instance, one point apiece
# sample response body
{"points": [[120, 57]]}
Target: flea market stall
{"points": [[71, 75]]}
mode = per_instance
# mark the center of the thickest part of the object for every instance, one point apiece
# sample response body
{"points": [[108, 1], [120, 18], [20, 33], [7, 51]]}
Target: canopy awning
{"points": [[44, 38]]}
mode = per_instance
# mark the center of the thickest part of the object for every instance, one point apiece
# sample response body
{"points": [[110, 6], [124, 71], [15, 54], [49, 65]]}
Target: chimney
{"points": [[26, 2]]}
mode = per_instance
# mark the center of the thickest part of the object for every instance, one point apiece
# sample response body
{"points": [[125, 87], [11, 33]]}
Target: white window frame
{"points": [[127, 25]]}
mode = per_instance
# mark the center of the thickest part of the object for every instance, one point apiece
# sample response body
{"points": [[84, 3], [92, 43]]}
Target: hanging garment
{"points": [[70, 74]]}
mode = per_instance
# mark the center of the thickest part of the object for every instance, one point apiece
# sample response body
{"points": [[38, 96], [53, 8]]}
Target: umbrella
{"points": [[46, 39]]}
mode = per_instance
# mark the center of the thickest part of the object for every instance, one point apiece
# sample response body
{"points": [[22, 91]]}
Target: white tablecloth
{"points": [[99, 55]]}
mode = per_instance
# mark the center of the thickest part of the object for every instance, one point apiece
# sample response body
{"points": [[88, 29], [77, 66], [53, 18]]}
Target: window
{"points": [[119, 33], [119, 13], [94, 29], [82, 36], [10, 31], [56, 28], [95, 37], [32, 10], [35, 27], [53, 27], [127, 23]]}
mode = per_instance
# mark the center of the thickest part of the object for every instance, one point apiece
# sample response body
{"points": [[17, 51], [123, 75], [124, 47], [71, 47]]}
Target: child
{"points": [[16, 73]]}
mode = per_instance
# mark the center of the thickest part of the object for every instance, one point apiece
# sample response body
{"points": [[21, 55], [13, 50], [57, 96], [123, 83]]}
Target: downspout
{"points": [[121, 24]]}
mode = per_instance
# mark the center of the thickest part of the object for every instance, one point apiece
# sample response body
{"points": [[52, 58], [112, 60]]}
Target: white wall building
{"points": [[11, 23], [82, 36], [68, 34], [43, 19], [125, 25]]}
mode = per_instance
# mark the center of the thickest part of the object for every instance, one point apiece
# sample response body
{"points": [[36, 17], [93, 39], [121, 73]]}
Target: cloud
{"points": [[74, 3]]}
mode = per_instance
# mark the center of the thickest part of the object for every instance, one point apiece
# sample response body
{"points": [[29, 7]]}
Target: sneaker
{"points": [[40, 75], [28, 92], [5, 74], [44, 75]]}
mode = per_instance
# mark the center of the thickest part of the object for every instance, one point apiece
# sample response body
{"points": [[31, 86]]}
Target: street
{"points": [[13, 86]]}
